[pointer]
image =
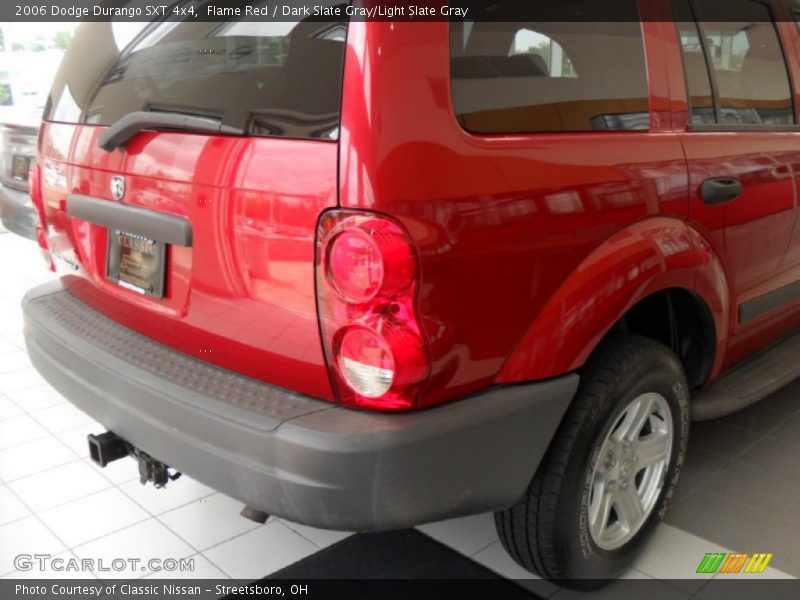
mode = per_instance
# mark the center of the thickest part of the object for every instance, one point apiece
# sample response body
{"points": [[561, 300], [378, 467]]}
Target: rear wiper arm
{"points": [[119, 133]]}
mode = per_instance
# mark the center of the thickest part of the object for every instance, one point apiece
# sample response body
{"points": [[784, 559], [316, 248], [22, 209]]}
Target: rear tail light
{"points": [[54, 175], [35, 190], [367, 279], [365, 361]]}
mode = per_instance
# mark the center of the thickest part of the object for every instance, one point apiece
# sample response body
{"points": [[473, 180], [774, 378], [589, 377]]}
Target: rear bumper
{"points": [[17, 212], [288, 455]]}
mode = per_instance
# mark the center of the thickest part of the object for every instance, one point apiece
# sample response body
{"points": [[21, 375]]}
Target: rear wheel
{"points": [[610, 471]]}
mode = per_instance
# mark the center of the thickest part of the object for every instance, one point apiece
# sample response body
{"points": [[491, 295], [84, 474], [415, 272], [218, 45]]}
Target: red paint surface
{"points": [[531, 246], [243, 296]]}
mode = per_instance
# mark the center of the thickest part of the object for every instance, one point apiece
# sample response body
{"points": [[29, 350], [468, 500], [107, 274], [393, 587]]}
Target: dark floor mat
{"points": [[381, 561]]}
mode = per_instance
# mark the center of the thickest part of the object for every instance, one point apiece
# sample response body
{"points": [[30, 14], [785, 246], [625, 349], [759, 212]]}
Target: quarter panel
{"points": [[500, 222], [649, 256]]}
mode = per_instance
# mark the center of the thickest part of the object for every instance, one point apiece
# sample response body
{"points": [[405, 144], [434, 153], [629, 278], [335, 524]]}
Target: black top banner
{"points": [[386, 10]]}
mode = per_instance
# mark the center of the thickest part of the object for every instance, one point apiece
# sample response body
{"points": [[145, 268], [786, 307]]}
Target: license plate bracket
{"points": [[137, 263]]}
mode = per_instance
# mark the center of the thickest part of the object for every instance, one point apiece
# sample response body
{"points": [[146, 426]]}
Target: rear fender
{"points": [[652, 255]]}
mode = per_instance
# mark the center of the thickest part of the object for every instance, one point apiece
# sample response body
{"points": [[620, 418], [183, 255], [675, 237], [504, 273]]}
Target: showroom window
{"points": [[554, 59], [735, 70], [549, 76]]}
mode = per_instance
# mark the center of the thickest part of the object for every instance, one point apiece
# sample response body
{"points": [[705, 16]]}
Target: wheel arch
{"points": [[683, 322], [654, 276]]}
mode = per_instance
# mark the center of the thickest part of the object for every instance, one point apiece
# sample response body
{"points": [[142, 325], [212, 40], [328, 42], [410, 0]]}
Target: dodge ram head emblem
{"points": [[117, 187]]}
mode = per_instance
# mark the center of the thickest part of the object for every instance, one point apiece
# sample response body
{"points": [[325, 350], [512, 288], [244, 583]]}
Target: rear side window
{"points": [[261, 78], [736, 73], [549, 76]]}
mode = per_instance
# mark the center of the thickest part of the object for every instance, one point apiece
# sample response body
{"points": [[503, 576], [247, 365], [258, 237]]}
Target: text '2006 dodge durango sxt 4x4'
{"points": [[365, 275]]}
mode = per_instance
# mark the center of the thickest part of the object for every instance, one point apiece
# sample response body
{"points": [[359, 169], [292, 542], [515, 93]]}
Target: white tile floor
{"points": [[54, 500]]}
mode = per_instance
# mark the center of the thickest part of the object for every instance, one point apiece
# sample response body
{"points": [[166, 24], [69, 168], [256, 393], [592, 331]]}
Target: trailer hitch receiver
{"points": [[108, 447]]}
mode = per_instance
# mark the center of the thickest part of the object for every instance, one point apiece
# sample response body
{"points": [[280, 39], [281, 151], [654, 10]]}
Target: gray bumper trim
{"points": [[307, 461], [17, 212]]}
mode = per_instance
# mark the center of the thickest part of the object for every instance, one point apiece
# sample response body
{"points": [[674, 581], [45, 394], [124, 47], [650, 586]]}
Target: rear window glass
{"points": [[551, 76], [261, 78]]}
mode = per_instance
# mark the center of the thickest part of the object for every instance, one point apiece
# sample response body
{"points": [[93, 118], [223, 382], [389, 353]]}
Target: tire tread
{"points": [[527, 530]]}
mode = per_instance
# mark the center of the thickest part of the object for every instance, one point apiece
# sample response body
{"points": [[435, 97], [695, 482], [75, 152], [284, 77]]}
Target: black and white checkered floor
{"points": [[740, 492]]}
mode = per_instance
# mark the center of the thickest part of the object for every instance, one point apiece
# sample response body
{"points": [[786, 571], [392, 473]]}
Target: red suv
{"points": [[367, 275]]}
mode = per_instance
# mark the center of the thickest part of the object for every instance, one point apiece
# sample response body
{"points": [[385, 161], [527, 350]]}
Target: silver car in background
{"points": [[18, 136]]}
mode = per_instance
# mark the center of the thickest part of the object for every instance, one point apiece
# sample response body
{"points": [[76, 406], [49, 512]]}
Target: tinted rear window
{"points": [[262, 78], [551, 76]]}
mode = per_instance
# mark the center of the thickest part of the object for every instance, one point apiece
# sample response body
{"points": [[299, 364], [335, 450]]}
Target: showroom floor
{"points": [[740, 490]]}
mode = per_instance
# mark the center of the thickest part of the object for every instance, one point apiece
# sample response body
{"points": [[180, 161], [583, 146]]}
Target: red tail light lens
{"points": [[367, 275], [35, 187], [355, 266]]}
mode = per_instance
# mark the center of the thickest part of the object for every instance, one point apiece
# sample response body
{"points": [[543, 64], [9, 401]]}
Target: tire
{"points": [[589, 467]]}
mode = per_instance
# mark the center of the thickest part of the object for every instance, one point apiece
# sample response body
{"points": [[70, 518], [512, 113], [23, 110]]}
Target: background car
{"points": [[25, 79], [17, 155]]}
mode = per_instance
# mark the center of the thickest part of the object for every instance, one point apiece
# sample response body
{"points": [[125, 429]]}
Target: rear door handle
{"points": [[723, 189]]}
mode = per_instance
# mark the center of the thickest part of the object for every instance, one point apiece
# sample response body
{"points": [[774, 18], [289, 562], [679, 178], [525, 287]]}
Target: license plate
{"points": [[20, 165], [136, 263]]}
